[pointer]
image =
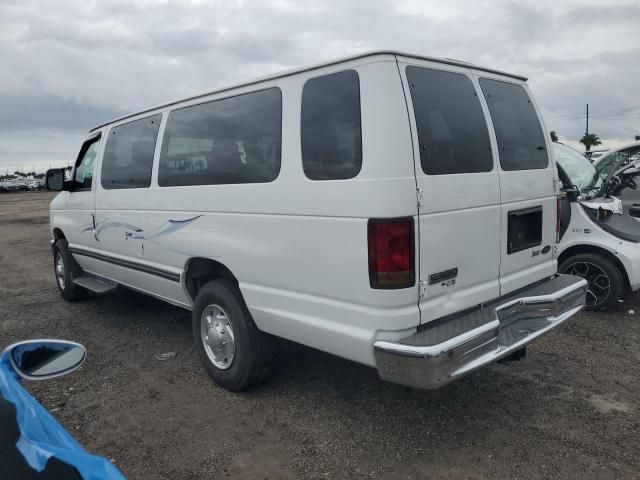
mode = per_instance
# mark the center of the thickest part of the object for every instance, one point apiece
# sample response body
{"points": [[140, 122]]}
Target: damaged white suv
{"points": [[599, 238], [393, 209]]}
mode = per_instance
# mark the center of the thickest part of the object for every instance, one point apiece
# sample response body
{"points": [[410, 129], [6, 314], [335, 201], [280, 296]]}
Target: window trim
{"points": [[359, 119], [165, 122], [153, 160], [484, 115], [83, 150]]}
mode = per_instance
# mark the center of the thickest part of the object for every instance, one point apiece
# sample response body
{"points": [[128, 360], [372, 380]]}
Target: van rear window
{"points": [[228, 141], [128, 154], [452, 131], [520, 139], [330, 129]]}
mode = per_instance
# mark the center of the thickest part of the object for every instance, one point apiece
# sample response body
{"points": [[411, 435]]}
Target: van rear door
{"points": [[528, 184], [458, 182]]}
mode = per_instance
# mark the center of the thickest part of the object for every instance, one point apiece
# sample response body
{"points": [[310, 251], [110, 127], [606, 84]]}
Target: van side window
{"points": [[452, 131], [228, 141], [520, 138], [86, 164], [128, 154], [330, 127]]}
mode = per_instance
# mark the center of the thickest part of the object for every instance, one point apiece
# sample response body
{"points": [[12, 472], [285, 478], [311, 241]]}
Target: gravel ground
{"points": [[571, 409]]}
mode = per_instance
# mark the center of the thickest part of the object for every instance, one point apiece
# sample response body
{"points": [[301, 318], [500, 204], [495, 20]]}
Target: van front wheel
{"points": [[66, 269], [234, 352], [606, 283]]}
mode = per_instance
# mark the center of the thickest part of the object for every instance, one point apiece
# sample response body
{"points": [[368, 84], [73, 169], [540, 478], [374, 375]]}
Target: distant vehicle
{"points": [[592, 155], [33, 445], [599, 240], [367, 207], [9, 187], [617, 157], [21, 185]]}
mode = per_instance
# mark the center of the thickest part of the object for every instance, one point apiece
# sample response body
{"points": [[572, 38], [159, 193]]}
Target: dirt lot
{"points": [[571, 409]]}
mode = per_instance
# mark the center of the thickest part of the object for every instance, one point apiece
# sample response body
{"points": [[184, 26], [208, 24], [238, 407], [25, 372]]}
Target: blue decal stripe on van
{"points": [[158, 272]]}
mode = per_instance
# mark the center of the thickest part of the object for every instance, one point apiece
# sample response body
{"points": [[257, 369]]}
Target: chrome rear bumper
{"points": [[452, 346]]}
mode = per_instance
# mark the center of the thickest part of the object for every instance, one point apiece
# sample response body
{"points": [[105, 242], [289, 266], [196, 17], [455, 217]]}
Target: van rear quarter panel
{"points": [[297, 247]]}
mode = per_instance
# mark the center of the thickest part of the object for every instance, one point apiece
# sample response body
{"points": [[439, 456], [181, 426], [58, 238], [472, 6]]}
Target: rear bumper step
{"points": [[458, 345]]}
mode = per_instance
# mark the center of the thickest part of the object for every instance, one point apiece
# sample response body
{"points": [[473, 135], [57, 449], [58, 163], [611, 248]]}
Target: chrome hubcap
{"points": [[599, 282], [217, 336], [59, 266]]}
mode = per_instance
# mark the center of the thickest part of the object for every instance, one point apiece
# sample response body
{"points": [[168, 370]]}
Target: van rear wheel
{"points": [[233, 351], [606, 283], [66, 270]]}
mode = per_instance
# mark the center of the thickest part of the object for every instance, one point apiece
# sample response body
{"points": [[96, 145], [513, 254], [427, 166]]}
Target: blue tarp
{"points": [[42, 437]]}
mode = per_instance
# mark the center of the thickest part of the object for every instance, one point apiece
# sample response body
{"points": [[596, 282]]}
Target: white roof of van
{"points": [[294, 71]]}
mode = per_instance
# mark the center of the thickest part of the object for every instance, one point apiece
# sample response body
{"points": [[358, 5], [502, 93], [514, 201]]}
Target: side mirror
{"points": [[635, 211], [570, 191], [42, 359], [54, 179]]}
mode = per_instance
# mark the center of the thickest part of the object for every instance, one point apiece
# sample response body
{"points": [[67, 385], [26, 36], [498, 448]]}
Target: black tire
{"points": [[251, 360], [606, 282], [69, 290]]}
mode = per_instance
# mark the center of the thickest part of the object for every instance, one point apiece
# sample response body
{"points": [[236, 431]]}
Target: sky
{"points": [[69, 65]]}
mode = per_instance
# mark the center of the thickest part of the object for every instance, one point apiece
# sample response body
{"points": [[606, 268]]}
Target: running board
{"points": [[95, 284]]}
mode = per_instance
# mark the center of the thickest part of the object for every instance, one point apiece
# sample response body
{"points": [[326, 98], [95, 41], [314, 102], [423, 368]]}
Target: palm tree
{"points": [[637, 137], [590, 140], [554, 136]]}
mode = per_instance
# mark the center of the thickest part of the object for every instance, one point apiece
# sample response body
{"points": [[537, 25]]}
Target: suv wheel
{"points": [[606, 283], [232, 349], [66, 269]]}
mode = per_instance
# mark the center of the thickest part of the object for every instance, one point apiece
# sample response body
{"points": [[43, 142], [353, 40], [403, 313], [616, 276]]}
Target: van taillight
{"points": [[391, 253]]}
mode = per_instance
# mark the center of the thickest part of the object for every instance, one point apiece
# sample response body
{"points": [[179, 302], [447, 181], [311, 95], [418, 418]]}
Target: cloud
{"points": [[21, 112], [76, 63], [39, 149]]}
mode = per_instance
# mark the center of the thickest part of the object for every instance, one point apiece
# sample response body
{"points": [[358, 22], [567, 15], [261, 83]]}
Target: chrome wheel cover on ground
{"points": [[59, 268], [599, 282], [217, 336]]}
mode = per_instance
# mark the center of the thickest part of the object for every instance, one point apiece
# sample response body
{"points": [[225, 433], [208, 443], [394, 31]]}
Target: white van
{"points": [[396, 210]]}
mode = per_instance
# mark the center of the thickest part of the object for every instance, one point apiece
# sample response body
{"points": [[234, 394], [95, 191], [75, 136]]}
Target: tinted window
{"points": [[128, 154], [85, 165], [234, 140], [452, 131], [330, 129], [520, 139]]}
